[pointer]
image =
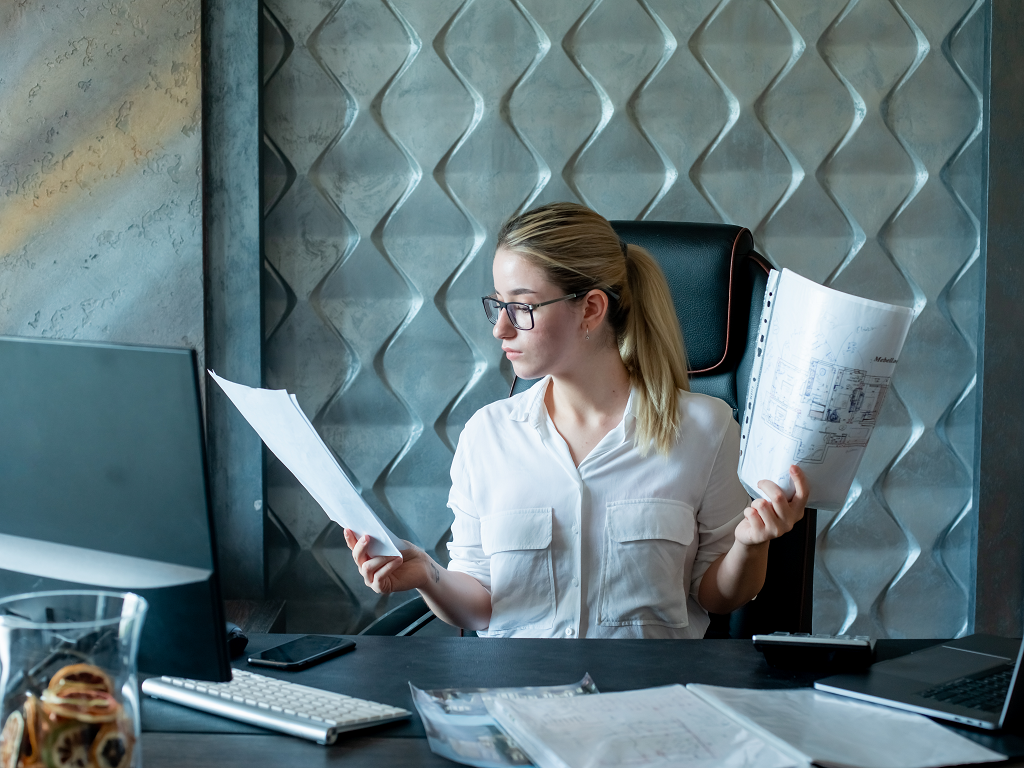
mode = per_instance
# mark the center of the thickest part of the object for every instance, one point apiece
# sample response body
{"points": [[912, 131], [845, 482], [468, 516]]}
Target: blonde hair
{"points": [[579, 251]]}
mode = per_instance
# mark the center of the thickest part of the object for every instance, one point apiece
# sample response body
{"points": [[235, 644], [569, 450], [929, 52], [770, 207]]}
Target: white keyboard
{"points": [[278, 705]]}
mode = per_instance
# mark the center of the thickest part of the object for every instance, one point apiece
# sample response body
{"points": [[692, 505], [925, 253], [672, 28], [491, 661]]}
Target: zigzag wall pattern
{"points": [[399, 134]]}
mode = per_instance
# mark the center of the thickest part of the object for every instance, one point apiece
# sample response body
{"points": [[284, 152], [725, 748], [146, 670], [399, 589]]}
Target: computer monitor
{"points": [[103, 483]]}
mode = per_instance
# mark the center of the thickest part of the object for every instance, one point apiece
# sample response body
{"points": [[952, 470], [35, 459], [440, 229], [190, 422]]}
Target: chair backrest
{"points": [[717, 281], [406, 619]]}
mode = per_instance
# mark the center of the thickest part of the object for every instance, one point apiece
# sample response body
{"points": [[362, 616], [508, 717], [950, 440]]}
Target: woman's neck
{"points": [[587, 402]]}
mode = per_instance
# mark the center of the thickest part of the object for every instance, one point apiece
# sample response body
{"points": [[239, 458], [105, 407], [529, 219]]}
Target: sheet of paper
{"points": [[667, 726], [823, 371], [844, 733], [281, 423]]}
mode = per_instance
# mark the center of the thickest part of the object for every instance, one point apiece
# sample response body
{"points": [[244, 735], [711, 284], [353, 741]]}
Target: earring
{"points": [[588, 334]]}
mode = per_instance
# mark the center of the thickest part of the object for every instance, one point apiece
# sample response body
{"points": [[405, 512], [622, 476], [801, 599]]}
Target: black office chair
{"points": [[403, 620], [717, 281]]}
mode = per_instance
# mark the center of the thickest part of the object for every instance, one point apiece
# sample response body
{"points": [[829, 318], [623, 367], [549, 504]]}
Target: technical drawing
{"points": [[824, 368], [822, 405]]}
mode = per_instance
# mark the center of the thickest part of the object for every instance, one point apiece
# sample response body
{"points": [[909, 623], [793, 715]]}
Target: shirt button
{"points": [[575, 581], [569, 631], [575, 529]]}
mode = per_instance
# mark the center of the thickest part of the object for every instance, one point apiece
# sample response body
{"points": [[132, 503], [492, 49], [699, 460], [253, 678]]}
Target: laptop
{"points": [[974, 680]]}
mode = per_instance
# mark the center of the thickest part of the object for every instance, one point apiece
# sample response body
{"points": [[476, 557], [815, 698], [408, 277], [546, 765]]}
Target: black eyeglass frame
{"points": [[500, 305]]}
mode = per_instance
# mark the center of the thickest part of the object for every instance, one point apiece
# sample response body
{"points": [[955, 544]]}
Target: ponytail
{"points": [[579, 250], [652, 350]]}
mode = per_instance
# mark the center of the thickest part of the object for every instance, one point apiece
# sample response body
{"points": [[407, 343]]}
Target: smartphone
{"points": [[303, 652]]}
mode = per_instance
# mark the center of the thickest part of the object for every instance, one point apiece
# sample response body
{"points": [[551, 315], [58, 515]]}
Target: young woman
{"points": [[604, 501]]}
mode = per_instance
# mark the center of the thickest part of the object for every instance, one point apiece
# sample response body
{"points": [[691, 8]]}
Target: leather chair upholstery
{"points": [[715, 277], [717, 281], [713, 273], [402, 620]]}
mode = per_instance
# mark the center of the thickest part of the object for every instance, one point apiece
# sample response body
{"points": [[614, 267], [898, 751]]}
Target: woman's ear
{"points": [[595, 307]]}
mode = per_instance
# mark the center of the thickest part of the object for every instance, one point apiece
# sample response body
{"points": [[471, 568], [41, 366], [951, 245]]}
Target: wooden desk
{"points": [[382, 667]]}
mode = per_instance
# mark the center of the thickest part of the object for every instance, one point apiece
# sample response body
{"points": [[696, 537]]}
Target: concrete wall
{"points": [[100, 171]]}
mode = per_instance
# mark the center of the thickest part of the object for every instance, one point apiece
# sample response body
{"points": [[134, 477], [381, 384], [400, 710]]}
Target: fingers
{"points": [[776, 516], [381, 581], [773, 523], [376, 570], [359, 547], [772, 493], [755, 522], [803, 487]]}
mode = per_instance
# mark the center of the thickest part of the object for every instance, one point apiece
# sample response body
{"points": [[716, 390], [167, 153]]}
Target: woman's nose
{"points": [[503, 329]]}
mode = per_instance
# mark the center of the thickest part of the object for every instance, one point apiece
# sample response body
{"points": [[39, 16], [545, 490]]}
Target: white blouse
{"points": [[615, 547]]}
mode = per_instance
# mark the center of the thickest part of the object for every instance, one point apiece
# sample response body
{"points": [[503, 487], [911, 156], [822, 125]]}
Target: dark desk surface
{"points": [[381, 669]]}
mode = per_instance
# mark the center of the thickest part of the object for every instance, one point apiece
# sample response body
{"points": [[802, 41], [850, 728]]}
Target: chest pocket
{"points": [[644, 571], [518, 543]]}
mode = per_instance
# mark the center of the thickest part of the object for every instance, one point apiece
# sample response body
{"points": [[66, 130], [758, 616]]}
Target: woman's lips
{"points": [[511, 354]]}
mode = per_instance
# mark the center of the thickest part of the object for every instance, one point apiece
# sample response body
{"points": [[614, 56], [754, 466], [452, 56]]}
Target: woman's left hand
{"points": [[766, 520]]}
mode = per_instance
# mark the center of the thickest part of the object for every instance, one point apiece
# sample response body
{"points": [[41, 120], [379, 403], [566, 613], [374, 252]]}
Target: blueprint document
{"points": [[824, 366], [280, 422]]}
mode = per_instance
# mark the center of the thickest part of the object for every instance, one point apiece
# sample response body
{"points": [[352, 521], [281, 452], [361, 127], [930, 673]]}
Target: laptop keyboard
{"points": [[987, 693]]}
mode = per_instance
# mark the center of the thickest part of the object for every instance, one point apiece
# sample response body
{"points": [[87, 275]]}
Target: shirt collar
{"points": [[530, 407]]}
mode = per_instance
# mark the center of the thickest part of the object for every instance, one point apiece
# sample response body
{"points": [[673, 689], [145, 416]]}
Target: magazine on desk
{"points": [[701, 726], [823, 369], [460, 728]]}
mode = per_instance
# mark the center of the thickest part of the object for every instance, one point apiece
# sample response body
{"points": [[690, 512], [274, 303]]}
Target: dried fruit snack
{"points": [[112, 748], [30, 745], [77, 722], [84, 706], [81, 676], [67, 745], [10, 740]]}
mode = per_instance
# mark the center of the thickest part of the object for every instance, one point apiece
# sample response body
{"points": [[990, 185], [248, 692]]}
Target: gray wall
{"points": [[100, 172], [398, 135]]}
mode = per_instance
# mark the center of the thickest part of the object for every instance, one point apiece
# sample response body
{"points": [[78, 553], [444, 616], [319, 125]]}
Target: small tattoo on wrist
{"points": [[437, 573]]}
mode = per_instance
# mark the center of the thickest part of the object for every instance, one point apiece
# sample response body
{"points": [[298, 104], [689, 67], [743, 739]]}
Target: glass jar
{"points": [[69, 694]]}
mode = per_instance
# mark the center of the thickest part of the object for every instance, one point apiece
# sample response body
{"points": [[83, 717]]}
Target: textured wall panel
{"points": [[844, 133], [100, 149], [919, 498]]}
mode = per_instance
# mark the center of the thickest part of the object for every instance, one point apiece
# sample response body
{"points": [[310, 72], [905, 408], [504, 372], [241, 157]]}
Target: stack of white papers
{"points": [[280, 422], [704, 726], [667, 726], [831, 730]]}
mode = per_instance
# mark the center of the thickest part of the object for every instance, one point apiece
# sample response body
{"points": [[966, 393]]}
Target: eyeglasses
{"points": [[520, 314]]}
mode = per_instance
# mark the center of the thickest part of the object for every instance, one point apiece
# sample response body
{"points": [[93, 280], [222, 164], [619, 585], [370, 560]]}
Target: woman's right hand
{"points": [[412, 570], [455, 598]]}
